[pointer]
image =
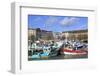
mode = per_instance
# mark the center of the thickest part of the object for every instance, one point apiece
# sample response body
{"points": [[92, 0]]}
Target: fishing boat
{"points": [[71, 51]]}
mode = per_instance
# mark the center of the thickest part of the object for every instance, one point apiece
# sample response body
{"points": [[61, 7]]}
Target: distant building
{"points": [[47, 35], [36, 34], [57, 35], [31, 32], [77, 34]]}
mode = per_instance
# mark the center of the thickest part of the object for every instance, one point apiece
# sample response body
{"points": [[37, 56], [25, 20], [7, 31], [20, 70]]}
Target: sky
{"points": [[57, 23]]}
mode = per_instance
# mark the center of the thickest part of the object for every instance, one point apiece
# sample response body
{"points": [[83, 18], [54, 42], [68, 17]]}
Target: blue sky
{"points": [[57, 23]]}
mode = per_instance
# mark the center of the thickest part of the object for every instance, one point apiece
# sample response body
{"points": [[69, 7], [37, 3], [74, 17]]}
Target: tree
{"points": [[38, 33], [63, 37], [49, 37], [33, 38]]}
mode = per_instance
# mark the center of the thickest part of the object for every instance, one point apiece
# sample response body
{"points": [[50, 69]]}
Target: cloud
{"points": [[37, 19], [51, 20], [83, 27], [69, 21]]}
